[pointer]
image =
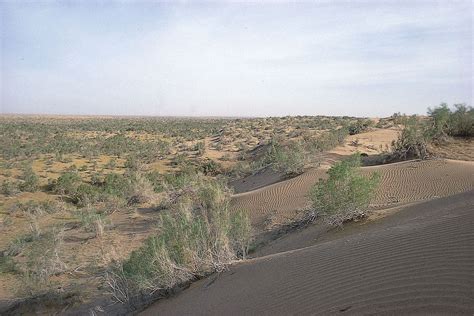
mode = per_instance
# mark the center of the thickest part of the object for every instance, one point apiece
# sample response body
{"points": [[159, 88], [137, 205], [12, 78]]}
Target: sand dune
{"points": [[281, 199], [401, 183], [421, 180], [418, 260]]}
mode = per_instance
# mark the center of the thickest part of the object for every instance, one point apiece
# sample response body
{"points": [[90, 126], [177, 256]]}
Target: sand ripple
{"points": [[400, 183]]}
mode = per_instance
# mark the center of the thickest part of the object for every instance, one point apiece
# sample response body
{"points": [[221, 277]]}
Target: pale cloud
{"points": [[236, 59]]}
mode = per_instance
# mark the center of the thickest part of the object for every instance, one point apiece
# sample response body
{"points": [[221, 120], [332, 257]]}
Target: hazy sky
{"points": [[247, 59]]}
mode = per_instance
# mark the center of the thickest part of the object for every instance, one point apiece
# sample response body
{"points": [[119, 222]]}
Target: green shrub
{"points": [[132, 187], [176, 181], [43, 260], [242, 168], [37, 208], [133, 163], [346, 193], [140, 190], [93, 221], [198, 235], [116, 184], [398, 118], [240, 232], [383, 123], [9, 188], [113, 203], [30, 180], [293, 161], [18, 244], [83, 168], [179, 160], [412, 140], [96, 179], [67, 183], [440, 116], [289, 159], [326, 141], [210, 168], [86, 195], [359, 126], [459, 122], [156, 179], [7, 265], [200, 147]]}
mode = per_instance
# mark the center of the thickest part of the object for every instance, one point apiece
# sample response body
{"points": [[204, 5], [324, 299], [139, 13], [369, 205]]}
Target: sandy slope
{"points": [[455, 148], [417, 261], [421, 180], [252, 182], [401, 183], [372, 142]]}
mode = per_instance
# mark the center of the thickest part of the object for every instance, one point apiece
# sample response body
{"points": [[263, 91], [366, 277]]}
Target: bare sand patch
{"points": [[372, 142]]}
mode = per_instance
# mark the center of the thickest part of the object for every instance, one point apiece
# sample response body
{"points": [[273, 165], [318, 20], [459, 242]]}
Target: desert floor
{"points": [[413, 253]]}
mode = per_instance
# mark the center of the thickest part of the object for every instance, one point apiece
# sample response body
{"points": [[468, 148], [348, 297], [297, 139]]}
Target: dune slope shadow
{"points": [[419, 260]]}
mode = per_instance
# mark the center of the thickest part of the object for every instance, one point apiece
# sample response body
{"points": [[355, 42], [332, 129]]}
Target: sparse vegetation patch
{"points": [[412, 141], [346, 193], [196, 236], [447, 122]]}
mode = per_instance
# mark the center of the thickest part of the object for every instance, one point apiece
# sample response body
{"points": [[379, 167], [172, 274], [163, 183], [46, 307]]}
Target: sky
{"points": [[361, 58]]}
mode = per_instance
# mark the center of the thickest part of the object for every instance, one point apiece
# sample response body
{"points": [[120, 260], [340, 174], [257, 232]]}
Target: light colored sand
{"points": [[373, 142]]}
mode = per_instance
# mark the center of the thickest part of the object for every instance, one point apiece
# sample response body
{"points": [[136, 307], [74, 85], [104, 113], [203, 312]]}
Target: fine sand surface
{"points": [[401, 183], [416, 261], [372, 142], [261, 179]]}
